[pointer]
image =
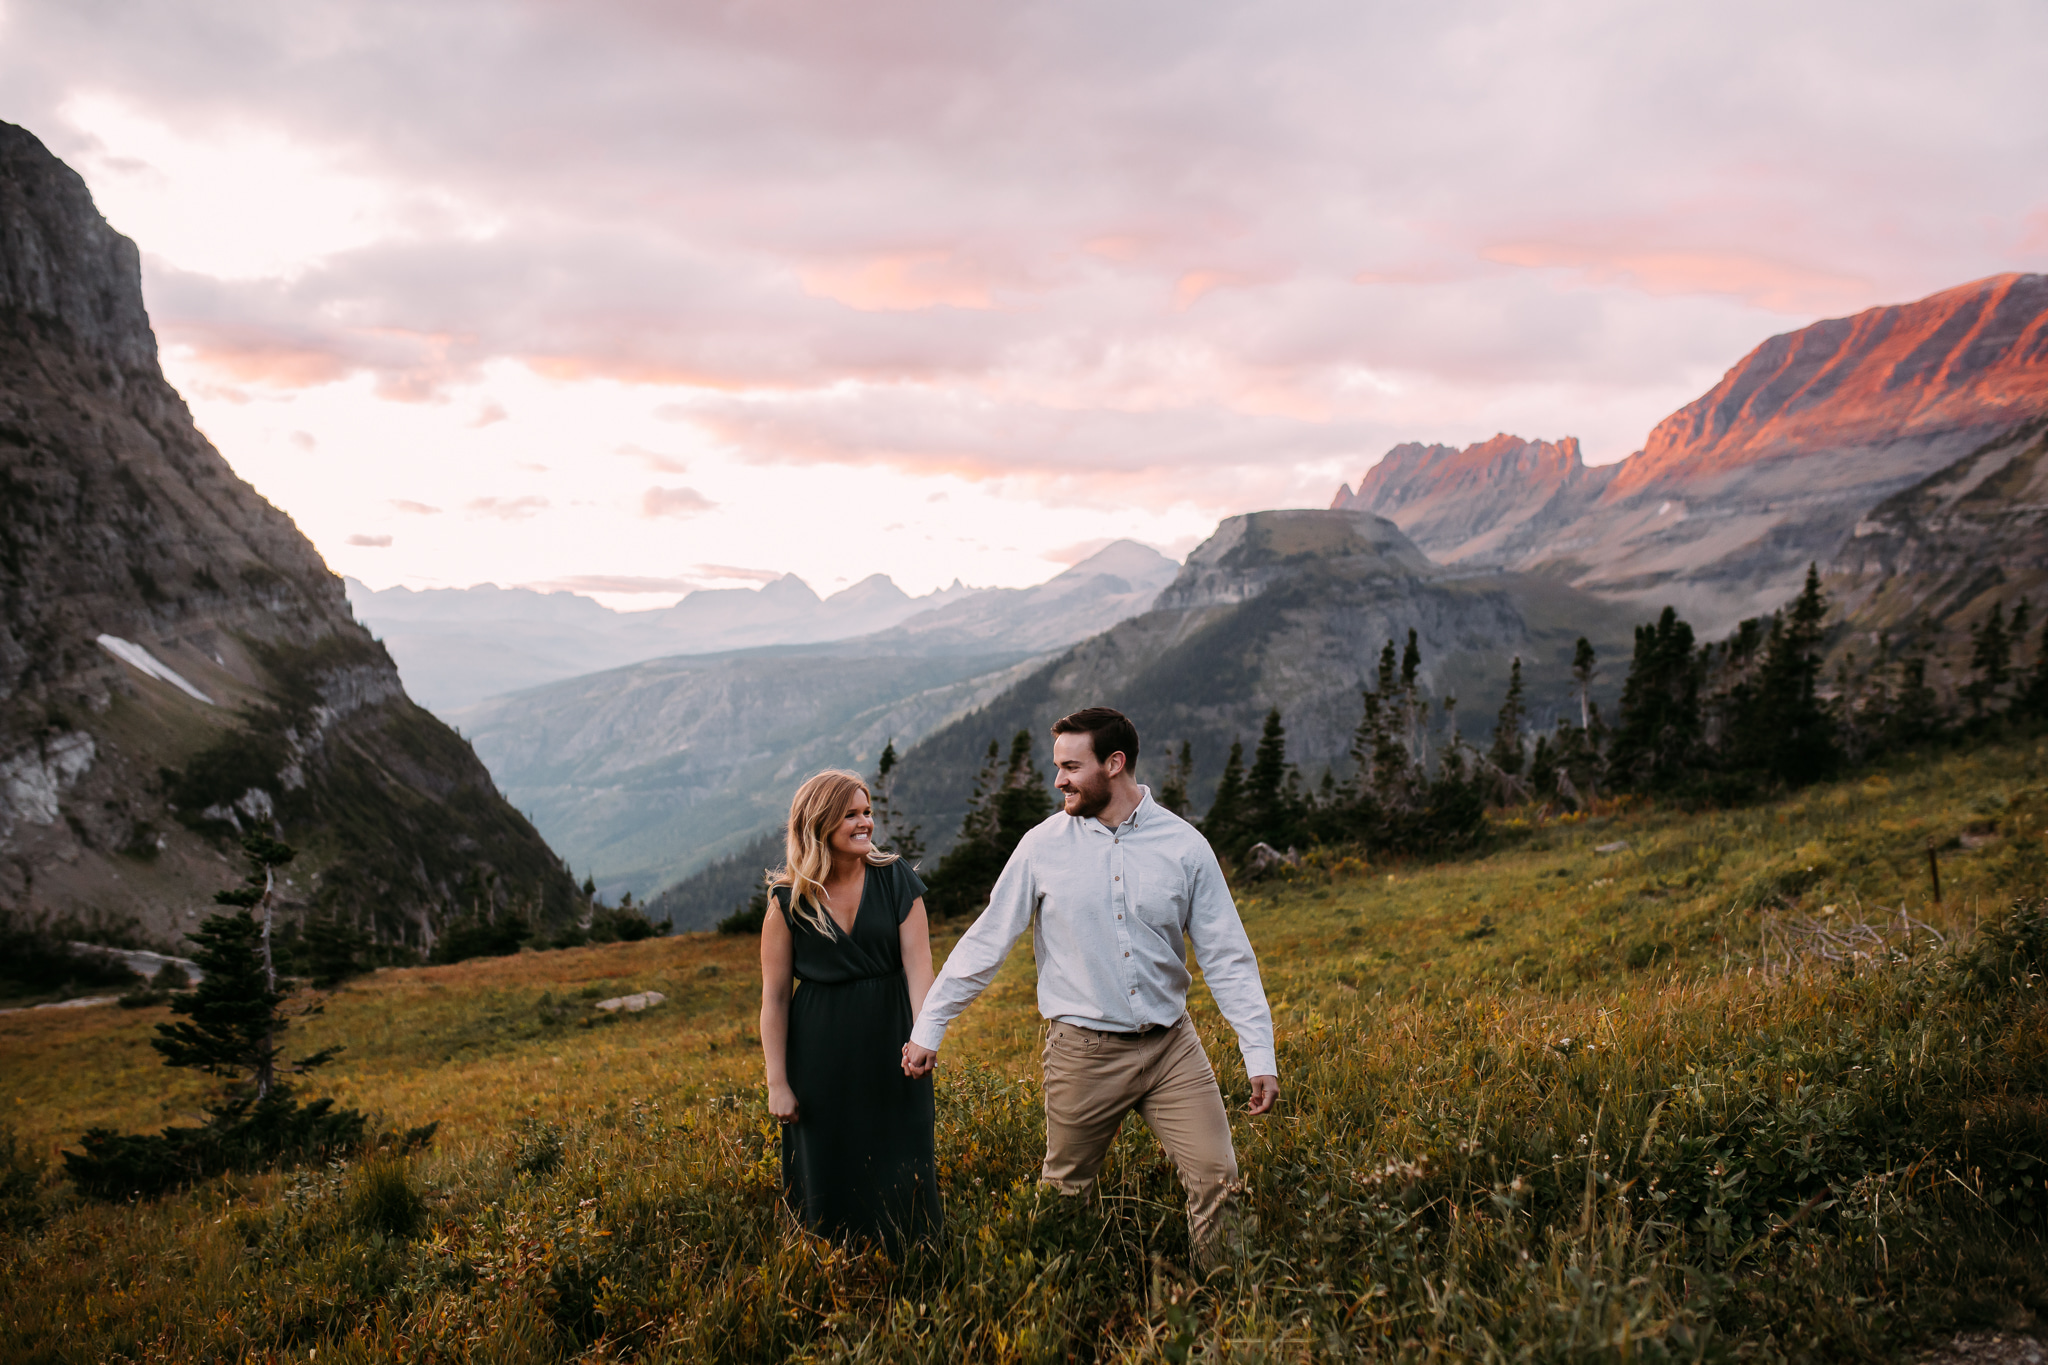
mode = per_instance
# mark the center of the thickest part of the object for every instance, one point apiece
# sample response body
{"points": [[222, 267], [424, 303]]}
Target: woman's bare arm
{"points": [[915, 941], [777, 983]]}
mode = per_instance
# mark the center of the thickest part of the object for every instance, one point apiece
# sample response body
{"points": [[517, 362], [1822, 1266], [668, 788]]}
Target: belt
{"points": [[1127, 1036]]}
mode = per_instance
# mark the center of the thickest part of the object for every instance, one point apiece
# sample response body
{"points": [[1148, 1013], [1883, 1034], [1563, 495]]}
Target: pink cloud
{"points": [[733, 571], [1759, 280], [508, 509], [898, 283], [371, 542], [674, 502]]}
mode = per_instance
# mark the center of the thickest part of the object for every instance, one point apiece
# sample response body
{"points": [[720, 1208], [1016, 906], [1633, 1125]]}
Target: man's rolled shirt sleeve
{"points": [[979, 954], [1224, 952]]}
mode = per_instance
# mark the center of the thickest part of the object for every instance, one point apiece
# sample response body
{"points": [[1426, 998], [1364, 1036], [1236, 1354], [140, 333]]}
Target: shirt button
{"points": [[1116, 879], [1134, 990], [1126, 954]]}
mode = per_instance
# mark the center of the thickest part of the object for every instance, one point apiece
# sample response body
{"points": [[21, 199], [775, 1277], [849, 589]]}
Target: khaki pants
{"points": [[1091, 1082]]}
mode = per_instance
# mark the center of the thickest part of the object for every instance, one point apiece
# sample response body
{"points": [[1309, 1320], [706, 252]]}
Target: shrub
{"points": [[383, 1200], [36, 961], [477, 937], [747, 919], [21, 1179], [243, 1134]]}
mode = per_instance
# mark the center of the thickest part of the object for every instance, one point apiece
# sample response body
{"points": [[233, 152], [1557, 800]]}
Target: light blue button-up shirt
{"points": [[1111, 911]]}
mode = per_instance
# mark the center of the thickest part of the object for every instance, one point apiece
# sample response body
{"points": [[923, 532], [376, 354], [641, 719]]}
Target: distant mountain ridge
{"points": [[458, 646], [640, 774], [176, 661], [1735, 493]]}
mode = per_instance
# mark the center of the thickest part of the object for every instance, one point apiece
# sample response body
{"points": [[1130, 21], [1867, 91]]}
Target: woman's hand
{"points": [[782, 1102]]}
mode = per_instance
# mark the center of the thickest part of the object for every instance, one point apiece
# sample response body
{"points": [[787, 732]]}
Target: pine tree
{"points": [[1226, 812], [2034, 696], [1413, 707], [1543, 767], [1173, 783], [1506, 753], [980, 823], [1657, 738], [1916, 710], [1786, 731], [230, 1027], [1009, 798], [1585, 668], [1025, 799], [898, 835], [231, 1018], [234, 1019], [1268, 811], [1990, 660]]}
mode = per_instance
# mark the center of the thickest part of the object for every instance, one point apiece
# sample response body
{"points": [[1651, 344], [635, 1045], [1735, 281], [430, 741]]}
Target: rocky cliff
{"points": [[1486, 504], [1943, 550], [176, 661], [1735, 493]]}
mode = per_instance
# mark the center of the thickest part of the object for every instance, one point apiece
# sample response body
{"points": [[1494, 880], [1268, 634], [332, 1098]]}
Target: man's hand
{"points": [[919, 1061], [1265, 1092]]}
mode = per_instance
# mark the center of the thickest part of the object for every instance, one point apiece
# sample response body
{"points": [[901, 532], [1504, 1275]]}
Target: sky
{"points": [[627, 297]]}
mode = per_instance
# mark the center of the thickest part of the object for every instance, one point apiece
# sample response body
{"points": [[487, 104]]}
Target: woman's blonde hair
{"points": [[814, 812]]}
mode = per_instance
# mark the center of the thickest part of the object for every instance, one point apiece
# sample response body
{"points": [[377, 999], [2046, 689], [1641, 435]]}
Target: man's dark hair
{"points": [[1109, 731]]}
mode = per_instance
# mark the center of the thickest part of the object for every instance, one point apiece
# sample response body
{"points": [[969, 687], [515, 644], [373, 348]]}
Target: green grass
{"points": [[1547, 1104]]}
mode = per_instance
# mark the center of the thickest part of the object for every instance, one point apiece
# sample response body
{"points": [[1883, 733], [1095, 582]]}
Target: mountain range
{"points": [[641, 774], [459, 646], [1734, 494], [177, 664]]}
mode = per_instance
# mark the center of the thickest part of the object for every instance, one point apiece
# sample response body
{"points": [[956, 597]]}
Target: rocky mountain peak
{"points": [[1473, 505], [1973, 358], [1250, 552], [176, 660], [62, 267], [1735, 493]]}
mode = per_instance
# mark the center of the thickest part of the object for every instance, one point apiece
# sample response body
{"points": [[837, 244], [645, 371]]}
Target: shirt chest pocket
{"points": [[1159, 896]]}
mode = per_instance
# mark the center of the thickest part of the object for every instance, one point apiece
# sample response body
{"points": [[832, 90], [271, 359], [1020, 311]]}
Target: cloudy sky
{"points": [[629, 296]]}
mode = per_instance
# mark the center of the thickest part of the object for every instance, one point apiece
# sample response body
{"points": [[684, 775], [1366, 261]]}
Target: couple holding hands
{"points": [[1113, 887]]}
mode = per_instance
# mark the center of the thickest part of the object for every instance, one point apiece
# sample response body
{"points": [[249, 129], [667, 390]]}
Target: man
{"points": [[1110, 886]]}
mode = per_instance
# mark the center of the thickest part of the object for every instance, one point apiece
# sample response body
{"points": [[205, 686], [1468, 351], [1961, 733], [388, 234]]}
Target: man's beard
{"points": [[1085, 801]]}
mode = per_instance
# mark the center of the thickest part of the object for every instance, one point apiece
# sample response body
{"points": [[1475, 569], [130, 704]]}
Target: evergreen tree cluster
{"points": [[1750, 714], [1010, 796], [1412, 788]]}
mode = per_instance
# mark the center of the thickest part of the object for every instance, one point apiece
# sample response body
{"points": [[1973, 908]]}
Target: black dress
{"points": [[857, 1164]]}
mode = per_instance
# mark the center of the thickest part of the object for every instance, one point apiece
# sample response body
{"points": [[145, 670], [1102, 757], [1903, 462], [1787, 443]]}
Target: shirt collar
{"points": [[1132, 821]]}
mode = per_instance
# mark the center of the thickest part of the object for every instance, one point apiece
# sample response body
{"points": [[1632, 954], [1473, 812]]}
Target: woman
{"points": [[847, 920]]}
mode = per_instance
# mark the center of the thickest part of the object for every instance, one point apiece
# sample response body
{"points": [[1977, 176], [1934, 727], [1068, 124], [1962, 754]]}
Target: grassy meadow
{"points": [[1736, 1090]]}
